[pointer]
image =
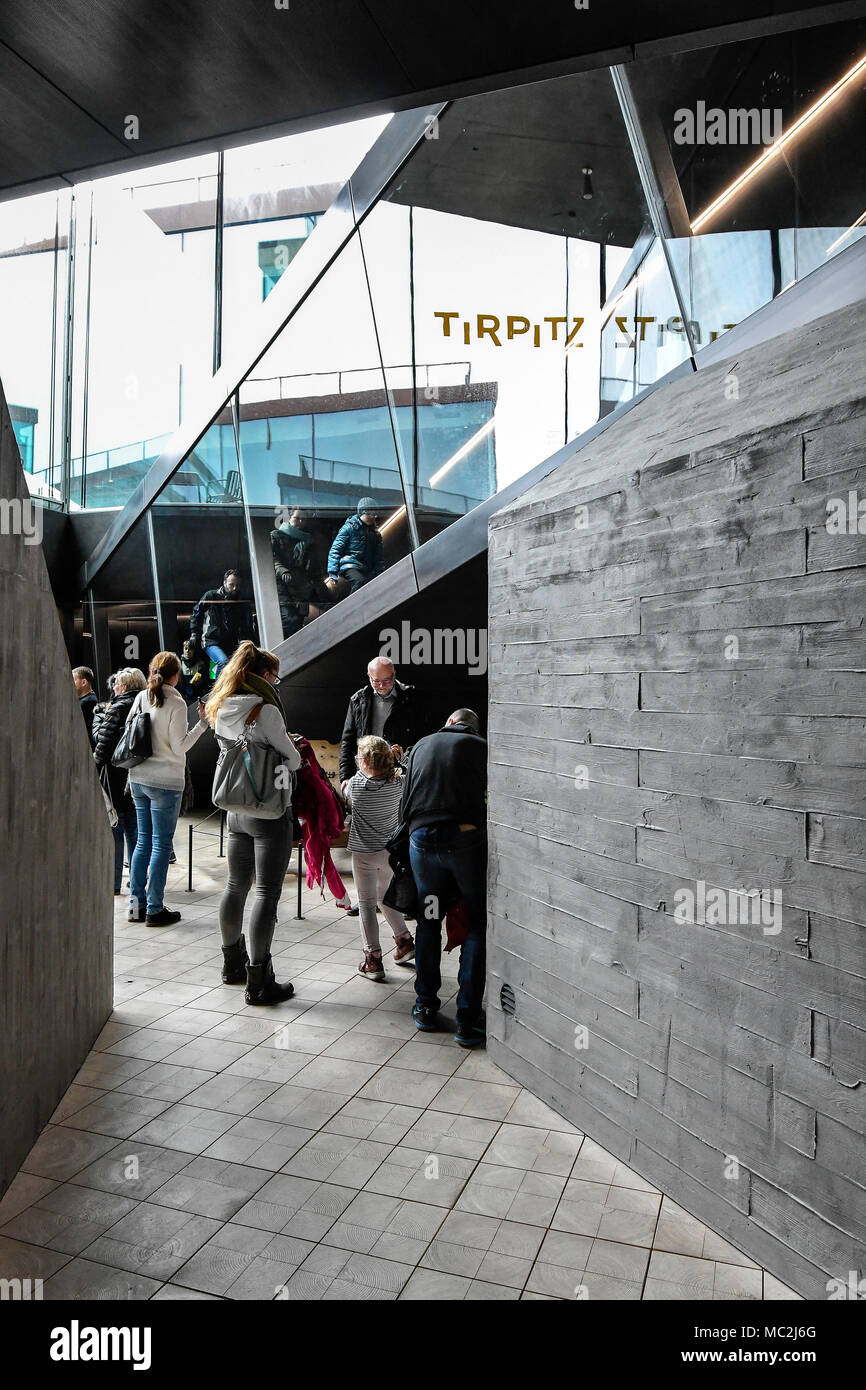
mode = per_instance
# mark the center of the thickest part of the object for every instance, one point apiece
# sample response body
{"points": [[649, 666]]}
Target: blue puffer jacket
{"points": [[356, 546]]}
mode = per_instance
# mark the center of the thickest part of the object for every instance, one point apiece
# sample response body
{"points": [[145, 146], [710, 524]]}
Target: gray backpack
{"points": [[251, 778]]}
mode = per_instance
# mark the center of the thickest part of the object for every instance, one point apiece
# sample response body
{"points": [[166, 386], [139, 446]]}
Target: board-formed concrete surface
{"points": [[324, 1149], [678, 724], [56, 849]]}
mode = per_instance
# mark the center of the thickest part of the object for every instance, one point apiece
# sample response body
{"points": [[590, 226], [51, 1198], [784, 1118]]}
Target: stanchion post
{"points": [[189, 873]]}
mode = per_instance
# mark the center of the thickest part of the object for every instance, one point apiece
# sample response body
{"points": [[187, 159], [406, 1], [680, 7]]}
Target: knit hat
{"points": [[367, 504]]}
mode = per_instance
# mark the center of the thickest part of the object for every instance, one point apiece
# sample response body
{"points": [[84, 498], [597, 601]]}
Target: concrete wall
{"points": [[678, 694], [56, 849]]}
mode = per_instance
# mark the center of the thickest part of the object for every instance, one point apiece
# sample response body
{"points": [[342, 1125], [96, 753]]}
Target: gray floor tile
{"points": [[428, 1285], [186, 1127], [21, 1260], [84, 1281], [210, 1187], [116, 1114], [153, 1241], [22, 1192], [132, 1169], [163, 1081], [68, 1218], [60, 1152]]}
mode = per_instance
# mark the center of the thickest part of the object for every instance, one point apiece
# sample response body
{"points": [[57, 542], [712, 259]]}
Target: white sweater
{"points": [[170, 737]]}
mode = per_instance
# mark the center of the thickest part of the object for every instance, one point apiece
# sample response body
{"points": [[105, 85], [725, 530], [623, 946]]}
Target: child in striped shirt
{"points": [[374, 797]]}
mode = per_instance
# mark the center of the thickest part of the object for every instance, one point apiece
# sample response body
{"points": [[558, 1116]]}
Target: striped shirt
{"points": [[375, 812]]}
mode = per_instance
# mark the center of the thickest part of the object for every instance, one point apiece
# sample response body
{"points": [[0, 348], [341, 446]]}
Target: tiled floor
{"points": [[324, 1148]]}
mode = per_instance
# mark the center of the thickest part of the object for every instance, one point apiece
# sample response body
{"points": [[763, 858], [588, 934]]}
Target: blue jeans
{"points": [[448, 864], [157, 810], [126, 829], [218, 655]]}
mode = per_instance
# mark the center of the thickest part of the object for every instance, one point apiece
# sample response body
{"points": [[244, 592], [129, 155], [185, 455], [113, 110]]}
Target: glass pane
{"points": [[316, 439], [34, 241], [143, 320], [757, 146], [273, 195], [520, 211], [643, 336], [199, 534], [121, 615]]}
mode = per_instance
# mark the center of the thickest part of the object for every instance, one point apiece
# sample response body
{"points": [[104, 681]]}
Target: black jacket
{"points": [[406, 723], [295, 564], [107, 738], [88, 705], [221, 621], [446, 780]]}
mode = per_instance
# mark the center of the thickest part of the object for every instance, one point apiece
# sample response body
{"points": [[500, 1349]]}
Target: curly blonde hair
{"points": [[376, 754]]}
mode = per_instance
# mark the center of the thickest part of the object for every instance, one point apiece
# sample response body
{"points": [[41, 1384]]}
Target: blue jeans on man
{"points": [[448, 864], [157, 809], [217, 655]]}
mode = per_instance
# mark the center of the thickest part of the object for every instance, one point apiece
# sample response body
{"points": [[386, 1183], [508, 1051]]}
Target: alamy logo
{"points": [[77, 1343], [851, 1288], [438, 646], [21, 518], [723, 907], [20, 1290], [734, 127], [846, 518]]}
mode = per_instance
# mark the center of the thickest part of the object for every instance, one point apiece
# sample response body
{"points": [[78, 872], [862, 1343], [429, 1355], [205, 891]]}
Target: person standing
{"points": [[294, 554], [386, 708], [157, 788], [222, 619], [357, 554], [374, 797], [257, 848], [82, 679], [127, 684], [445, 813]]}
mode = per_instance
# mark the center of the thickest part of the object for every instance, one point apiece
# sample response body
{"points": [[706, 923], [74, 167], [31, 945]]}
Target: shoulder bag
{"points": [[252, 778], [135, 743]]}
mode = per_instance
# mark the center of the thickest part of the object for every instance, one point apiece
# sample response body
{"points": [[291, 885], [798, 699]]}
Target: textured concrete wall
{"points": [[678, 696], [56, 849]]}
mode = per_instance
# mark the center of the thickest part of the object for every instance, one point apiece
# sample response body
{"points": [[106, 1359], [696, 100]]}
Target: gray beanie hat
{"points": [[367, 504]]}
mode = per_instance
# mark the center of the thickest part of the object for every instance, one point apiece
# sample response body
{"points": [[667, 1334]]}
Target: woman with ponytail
{"points": [[157, 788], [256, 847]]}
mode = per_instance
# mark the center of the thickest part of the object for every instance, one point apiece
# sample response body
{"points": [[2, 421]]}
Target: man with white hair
{"points": [[384, 707]]}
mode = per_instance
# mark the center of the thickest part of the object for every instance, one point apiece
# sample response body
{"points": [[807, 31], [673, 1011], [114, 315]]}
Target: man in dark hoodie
{"points": [[357, 554], [444, 811], [222, 619]]}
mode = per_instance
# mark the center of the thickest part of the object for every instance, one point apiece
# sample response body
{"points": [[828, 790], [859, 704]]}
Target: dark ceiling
{"points": [[516, 157], [212, 72]]}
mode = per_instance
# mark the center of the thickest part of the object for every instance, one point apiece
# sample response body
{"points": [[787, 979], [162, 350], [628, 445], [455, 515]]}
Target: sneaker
{"points": [[163, 918], [371, 966], [136, 914], [474, 1036], [404, 951], [172, 858], [428, 1020], [354, 911]]}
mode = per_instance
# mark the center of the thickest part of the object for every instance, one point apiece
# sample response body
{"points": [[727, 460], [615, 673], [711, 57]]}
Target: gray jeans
{"points": [[372, 875], [262, 848]]}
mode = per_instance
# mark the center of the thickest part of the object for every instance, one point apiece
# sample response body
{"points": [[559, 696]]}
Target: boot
{"points": [[235, 962], [262, 988]]}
